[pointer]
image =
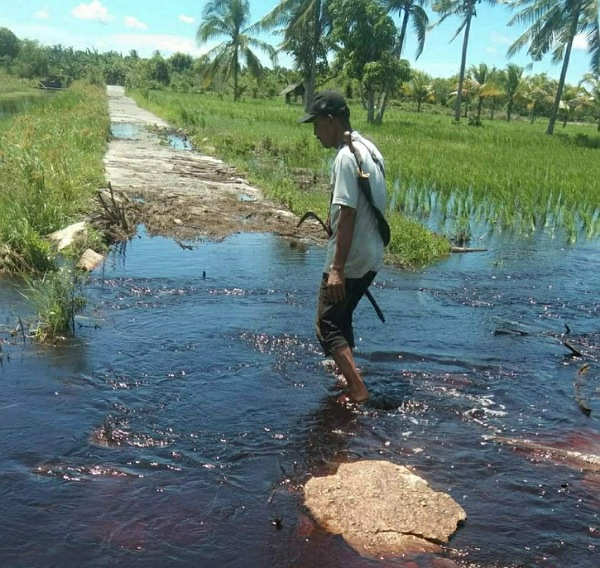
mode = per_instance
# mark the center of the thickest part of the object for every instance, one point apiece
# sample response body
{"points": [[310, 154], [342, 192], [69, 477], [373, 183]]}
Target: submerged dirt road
{"points": [[181, 193]]}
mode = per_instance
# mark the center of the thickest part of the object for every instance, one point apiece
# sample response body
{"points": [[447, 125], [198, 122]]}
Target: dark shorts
{"points": [[334, 321]]}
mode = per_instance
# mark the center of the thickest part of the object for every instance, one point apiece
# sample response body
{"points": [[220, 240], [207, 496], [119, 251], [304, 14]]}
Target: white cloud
{"points": [[495, 37], [187, 19], [131, 22], [580, 42], [491, 50], [93, 11], [42, 15]]}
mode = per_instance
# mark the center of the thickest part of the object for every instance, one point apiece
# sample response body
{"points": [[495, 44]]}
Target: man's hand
{"points": [[336, 284]]}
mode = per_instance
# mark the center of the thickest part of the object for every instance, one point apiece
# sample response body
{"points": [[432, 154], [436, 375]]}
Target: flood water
{"points": [[14, 105], [179, 426]]}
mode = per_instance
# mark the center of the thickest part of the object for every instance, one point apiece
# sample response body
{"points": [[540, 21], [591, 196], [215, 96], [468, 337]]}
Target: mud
{"points": [[180, 193]]}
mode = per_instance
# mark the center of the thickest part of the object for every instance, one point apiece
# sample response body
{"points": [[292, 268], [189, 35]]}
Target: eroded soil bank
{"points": [[178, 192]]}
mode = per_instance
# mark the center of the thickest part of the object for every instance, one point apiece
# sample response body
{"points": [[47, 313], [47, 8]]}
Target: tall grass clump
{"points": [[57, 298], [508, 175], [51, 162]]}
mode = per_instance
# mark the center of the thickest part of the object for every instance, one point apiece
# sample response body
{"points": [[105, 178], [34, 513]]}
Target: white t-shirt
{"points": [[366, 250]]}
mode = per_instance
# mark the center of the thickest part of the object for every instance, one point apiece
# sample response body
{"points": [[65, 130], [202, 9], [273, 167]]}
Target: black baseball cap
{"points": [[326, 103]]}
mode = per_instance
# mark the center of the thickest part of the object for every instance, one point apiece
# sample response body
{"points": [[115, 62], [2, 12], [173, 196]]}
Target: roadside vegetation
{"points": [[51, 164]]}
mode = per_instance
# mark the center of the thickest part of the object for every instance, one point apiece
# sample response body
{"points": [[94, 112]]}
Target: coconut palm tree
{"points": [[484, 86], [593, 83], [510, 79], [229, 18], [419, 89], [538, 91], [465, 10], [553, 27], [414, 11], [304, 24], [574, 100]]}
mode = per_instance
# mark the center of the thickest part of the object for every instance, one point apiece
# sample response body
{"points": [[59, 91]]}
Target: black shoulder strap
{"points": [[365, 187], [377, 161]]}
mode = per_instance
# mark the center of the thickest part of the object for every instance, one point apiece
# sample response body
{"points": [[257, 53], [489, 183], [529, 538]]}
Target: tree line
{"points": [[356, 43]]}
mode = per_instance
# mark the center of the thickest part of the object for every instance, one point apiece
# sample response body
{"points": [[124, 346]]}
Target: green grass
{"points": [[58, 299], [51, 163], [11, 86]]}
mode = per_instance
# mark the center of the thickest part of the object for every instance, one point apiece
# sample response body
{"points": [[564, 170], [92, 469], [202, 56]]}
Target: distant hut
{"points": [[295, 90]]}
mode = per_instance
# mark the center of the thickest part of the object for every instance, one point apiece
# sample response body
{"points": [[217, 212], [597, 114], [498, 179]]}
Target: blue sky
{"points": [[170, 26]]}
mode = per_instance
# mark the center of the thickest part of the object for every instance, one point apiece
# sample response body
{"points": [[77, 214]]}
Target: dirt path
{"points": [[181, 193]]}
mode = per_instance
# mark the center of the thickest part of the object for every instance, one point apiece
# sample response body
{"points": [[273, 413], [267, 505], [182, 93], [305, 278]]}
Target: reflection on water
{"points": [[179, 428]]}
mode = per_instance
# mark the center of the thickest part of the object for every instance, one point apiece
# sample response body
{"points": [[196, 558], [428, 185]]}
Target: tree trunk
{"points": [[388, 86], [509, 111], [463, 64], [312, 77], [370, 106], [235, 76], [479, 106], [384, 100], [565, 66]]}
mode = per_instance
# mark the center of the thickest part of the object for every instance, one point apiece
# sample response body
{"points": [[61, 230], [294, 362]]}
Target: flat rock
{"points": [[383, 508], [89, 260], [64, 237]]}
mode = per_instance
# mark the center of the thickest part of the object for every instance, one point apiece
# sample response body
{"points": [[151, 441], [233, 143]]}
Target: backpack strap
{"points": [[365, 187]]}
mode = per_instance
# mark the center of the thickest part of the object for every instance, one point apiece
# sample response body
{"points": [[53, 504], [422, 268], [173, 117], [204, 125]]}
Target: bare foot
{"points": [[348, 398]]}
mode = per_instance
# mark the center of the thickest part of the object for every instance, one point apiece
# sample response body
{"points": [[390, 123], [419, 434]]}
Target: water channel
{"points": [[10, 106], [177, 428]]}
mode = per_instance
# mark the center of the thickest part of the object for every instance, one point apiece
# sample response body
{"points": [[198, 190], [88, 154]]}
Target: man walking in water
{"points": [[355, 247]]}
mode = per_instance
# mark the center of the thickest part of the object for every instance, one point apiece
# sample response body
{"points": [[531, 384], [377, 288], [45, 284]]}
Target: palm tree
{"points": [[511, 83], [538, 92], [465, 9], [419, 89], [410, 10], [483, 85], [593, 82], [304, 23], [230, 18], [554, 25], [407, 10], [574, 101]]}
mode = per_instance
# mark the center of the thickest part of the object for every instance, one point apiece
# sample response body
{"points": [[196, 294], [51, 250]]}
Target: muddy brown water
{"points": [[179, 425]]}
